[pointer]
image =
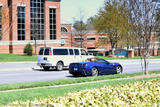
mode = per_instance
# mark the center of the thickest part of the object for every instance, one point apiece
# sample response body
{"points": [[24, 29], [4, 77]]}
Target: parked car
{"points": [[98, 54], [59, 57], [94, 67]]}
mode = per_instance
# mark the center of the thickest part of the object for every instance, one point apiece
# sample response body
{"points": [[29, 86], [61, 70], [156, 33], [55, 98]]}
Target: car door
{"points": [[104, 67]]}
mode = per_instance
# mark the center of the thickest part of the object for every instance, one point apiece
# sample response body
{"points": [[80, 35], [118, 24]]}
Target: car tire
{"points": [[59, 66], [118, 69], [46, 68], [94, 71]]}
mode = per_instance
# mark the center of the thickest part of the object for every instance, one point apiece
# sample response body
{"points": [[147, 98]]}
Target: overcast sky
{"points": [[70, 9]]}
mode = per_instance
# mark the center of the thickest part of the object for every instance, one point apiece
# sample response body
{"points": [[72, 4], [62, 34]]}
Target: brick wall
{"points": [[10, 21]]}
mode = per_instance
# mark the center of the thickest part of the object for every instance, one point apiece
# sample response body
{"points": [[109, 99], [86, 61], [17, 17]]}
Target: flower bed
{"points": [[140, 94]]}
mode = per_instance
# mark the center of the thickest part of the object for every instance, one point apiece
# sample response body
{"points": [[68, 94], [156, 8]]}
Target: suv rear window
{"points": [[41, 51], [60, 51]]}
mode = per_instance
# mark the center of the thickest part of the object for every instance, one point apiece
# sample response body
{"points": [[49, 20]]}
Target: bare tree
{"points": [[4, 16], [35, 32], [36, 27], [142, 14], [80, 27], [157, 28]]}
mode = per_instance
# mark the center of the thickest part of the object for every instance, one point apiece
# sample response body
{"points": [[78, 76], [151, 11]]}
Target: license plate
{"points": [[75, 69]]}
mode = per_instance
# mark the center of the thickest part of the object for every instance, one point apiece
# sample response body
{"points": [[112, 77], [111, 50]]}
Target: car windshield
{"points": [[97, 60], [102, 61]]}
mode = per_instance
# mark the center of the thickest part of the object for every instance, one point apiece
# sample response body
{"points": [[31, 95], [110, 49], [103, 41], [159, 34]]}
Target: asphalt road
{"points": [[29, 71]]}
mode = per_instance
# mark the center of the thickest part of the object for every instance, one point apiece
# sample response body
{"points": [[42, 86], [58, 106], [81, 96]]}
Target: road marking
{"points": [[15, 69], [33, 68], [138, 63], [28, 62]]}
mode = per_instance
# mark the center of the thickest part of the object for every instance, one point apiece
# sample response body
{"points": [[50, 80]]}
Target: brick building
{"points": [[23, 21], [91, 38]]}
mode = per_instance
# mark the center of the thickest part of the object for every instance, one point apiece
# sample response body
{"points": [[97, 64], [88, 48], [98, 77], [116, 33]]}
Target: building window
{"points": [[78, 38], [63, 29], [91, 38], [52, 18], [37, 19], [9, 3], [21, 23]]}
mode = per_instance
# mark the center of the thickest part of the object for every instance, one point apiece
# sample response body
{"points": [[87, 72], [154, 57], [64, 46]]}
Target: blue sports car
{"points": [[94, 67]]}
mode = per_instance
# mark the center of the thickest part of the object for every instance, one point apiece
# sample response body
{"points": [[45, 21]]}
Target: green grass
{"points": [[23, 58], [16, 58], [125, 58], [68, 81], [8, 97]]}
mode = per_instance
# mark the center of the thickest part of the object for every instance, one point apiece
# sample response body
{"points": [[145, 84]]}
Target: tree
{"points": [[90, 25], [112, 21], [35, 32], [28, 50], [80, 28], [4, 16], [142, 13], [157, 28]]}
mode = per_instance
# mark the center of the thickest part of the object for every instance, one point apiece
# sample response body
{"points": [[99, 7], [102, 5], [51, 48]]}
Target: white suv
{"points": [[59, 57]]}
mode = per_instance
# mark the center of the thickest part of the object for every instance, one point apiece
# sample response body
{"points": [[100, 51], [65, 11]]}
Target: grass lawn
{"points": [[23, 58], [16, 58], [68, 81], [125, 58], [8, 97]]}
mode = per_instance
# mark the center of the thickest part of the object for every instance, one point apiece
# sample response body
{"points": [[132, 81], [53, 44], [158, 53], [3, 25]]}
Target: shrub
{"points": [[28, 50], [137, 94]]}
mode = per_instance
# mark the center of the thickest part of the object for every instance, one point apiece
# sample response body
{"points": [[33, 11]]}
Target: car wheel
{"points": [[118, 69], [59, 66], [46, 68], [94, 71]]}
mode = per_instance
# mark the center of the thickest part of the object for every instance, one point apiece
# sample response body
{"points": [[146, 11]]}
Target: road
{"points": [[29, 71]]}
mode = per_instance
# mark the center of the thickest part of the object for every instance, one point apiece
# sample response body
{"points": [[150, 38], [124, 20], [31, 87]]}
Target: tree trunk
{"points": [[145, 65], [142, 65]]}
